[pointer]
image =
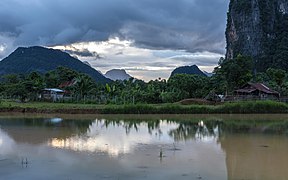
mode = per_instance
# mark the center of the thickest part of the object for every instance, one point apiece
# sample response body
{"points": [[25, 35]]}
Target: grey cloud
{"points": [[201, 61], [192, 25], [82, 52]]}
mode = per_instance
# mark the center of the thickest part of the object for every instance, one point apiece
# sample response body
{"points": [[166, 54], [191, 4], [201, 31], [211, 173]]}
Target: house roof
{"points": [[67, 84], [250, 87]]}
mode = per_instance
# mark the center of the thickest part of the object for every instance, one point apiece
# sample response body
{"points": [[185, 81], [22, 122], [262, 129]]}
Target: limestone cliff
{"points": [[259, 28]]}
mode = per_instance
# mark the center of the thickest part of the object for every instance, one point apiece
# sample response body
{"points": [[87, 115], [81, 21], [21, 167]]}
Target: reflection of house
{"points": [[52, 94], [258, 90]]}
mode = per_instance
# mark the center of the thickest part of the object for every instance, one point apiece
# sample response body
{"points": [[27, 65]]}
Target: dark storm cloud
{"points": [[192, 25], [82, 52]]}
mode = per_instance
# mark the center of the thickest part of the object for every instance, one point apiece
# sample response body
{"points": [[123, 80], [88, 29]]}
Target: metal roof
{"points": [[53, 89]]}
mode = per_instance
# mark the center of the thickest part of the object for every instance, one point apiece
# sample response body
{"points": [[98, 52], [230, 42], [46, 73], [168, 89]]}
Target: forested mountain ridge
{"points": [[188, 70], [259, 29], [25, 60]]}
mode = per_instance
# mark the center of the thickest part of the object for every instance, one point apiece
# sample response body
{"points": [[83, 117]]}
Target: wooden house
{"points": [[257, 90]]}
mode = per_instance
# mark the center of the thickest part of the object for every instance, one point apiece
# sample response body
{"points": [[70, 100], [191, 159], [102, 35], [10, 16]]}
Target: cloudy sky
{"points": [[148, 38]]}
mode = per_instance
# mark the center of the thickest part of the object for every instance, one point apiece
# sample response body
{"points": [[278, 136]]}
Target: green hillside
{"points": [[40, 59]]}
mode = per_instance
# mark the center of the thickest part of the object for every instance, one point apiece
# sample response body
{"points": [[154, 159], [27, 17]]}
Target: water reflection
{"points": [[193, 130], [60, 148], [6, 143], [116, 137], [56, 120]]}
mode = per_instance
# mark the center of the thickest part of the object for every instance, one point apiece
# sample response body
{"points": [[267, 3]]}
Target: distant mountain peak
{"points": [[117, 74], [188, 70], [209, 74], [36, 58]]}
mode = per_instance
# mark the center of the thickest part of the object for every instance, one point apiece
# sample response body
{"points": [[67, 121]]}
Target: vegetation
{"points": [[136, 96], [249, 107], [188, 70], [233, 74], [81, 88]]}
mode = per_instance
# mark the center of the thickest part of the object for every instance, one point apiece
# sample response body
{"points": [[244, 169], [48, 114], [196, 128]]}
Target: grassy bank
{"points": [[249, 107]]}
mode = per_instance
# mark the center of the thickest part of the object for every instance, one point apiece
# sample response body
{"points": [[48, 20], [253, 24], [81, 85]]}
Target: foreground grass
{"points": [[249, 107], [47, 105]]}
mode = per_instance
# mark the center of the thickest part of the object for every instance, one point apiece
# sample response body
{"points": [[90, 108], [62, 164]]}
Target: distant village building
{"points": [[257, 90], [53, 94]]}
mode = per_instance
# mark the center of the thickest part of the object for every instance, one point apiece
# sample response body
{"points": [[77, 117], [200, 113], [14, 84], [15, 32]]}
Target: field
{"points": [[247, 107]]}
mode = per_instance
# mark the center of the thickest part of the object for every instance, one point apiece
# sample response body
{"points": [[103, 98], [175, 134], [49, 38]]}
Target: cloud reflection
{"points": [[115, 139], [6, 143]]}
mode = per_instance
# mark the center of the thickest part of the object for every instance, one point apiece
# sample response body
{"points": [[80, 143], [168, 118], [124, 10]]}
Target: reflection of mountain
{"points": [[38, 131]]}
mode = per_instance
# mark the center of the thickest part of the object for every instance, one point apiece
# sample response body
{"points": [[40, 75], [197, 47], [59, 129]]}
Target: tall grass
{"points": [[227, 108]]}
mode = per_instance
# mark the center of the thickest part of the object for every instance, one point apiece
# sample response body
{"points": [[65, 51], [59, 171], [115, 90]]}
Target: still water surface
{"points": [[190, 147]]}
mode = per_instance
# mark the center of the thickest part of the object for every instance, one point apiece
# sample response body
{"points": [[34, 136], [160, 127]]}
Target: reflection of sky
{"points": [[114, 140], [205, 136], [88, 155], [6, 143], [200, 155]]}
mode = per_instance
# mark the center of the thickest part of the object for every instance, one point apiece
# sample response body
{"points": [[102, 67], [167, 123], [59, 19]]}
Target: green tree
{"points": [[83, 84], [277, 75], [237, 71], [193, 85]]}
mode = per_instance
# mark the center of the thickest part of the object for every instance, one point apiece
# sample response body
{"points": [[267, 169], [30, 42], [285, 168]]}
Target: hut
{"points": [[258, 91], [53, 94]]}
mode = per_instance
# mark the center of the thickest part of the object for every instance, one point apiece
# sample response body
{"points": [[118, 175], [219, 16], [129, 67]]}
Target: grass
{"points": [[48, 105], [248, 107]]}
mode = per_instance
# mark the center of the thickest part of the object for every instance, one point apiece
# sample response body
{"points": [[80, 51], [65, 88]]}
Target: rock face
{"points": [[117, 74], [258, 28], [25, 60], [188, 70]]}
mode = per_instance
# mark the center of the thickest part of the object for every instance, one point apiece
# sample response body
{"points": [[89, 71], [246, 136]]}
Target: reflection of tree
{"points": [[255, 126], [215, 128], [192, 130], [186, 129], [133, 124]]}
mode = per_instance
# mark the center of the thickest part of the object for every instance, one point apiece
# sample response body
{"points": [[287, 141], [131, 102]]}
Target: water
{"points": [[144, 147]]}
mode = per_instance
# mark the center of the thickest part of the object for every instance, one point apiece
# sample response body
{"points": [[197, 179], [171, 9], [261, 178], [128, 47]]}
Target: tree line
{"points": [[228, 76]]}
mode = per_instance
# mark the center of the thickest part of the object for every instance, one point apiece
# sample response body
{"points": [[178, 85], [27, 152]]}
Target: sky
{"points": [[147, 38]]}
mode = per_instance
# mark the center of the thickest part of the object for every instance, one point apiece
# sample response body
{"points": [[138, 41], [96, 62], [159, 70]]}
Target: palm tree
{"points": [[83, 84]]}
